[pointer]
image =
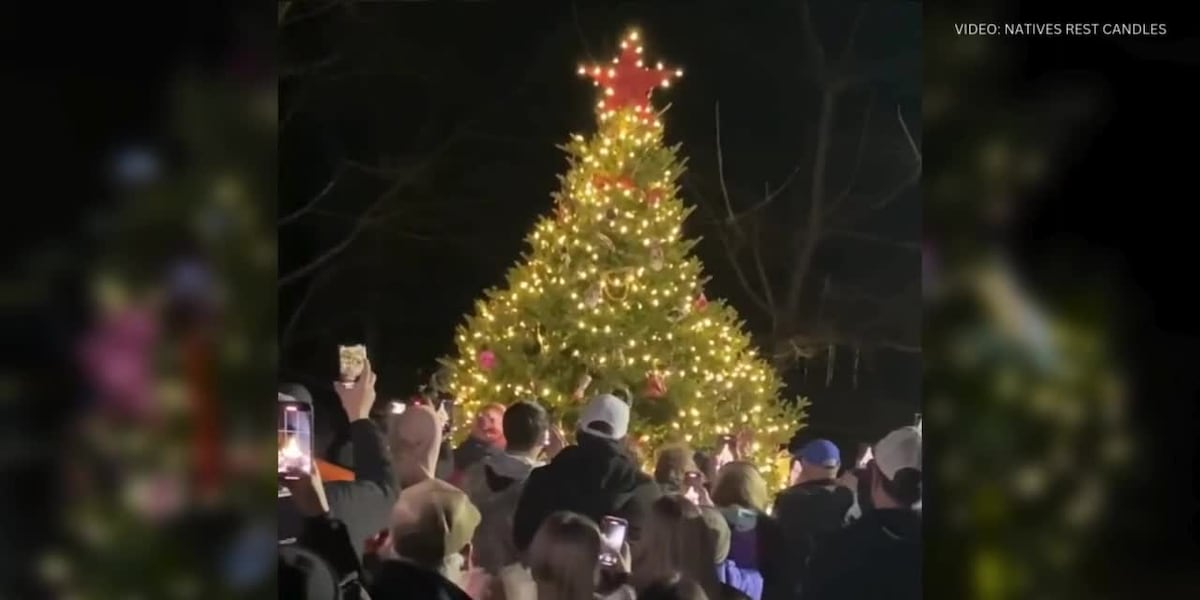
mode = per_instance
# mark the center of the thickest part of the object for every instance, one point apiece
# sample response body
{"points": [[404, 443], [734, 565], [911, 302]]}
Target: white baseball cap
{"points": [[900, 449], [608, 409]]}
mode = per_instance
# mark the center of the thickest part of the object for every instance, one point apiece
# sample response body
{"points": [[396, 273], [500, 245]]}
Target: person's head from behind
{"points": [[415, 436], [819, 461], [564, 557], [525, 427], [676, 539], [605, 417], [674, 587], [304, 575], [489, 425], [740, 484], [896, 470], [673, 464], [432, 526], [706, 465]]}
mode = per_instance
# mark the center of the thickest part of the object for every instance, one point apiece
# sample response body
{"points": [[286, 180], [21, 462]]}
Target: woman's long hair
{"points": [[564, 556], [675, 540], [740, 484]]}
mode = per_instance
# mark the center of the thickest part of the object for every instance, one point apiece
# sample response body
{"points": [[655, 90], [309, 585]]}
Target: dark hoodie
{"points": [[807, 514], [594, 478], [472, 451], [876, 557], [399, 579]]}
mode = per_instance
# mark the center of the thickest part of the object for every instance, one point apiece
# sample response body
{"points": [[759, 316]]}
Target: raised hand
{"points": [[358, 398]]}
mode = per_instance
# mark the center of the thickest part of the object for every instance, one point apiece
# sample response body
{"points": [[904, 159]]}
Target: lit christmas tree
{"points": [[609, 298]]}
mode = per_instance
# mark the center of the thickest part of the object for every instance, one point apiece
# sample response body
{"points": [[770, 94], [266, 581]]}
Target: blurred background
{"points": [[1060, 391], [140, 296], [141, 303]]}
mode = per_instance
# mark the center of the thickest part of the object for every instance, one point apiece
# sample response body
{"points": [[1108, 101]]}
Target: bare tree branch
{"points": [[908, 135], [579, 29], [809, 241], [813, 50], [307, 69], [318, 9], [805, 346], [868, 237], [755, 248], [733, 255], [721, 169], [858, 156], [360, 226], [309, 292], [311, 204], [770, 196]]}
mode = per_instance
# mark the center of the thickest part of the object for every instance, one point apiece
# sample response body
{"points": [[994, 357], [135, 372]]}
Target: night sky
{"points": [[390, 83]]}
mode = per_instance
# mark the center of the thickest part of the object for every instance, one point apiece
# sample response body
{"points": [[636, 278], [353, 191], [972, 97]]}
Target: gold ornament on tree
{"points": [[617, 283], [592, 297], [657, 260]]}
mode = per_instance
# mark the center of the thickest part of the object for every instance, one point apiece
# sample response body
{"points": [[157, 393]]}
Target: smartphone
{"points": [[612, 538], [398, 407], [692, 482], [352, 360], [867, 457], [726, 451], [546, 439], [295, 437]]}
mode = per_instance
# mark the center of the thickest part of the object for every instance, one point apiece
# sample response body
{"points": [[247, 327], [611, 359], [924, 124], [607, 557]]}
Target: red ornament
{"points": [[701, 302], [601, 180], [653, 196], [562, 212], [487, 360], [656, 386], [627, 82]]}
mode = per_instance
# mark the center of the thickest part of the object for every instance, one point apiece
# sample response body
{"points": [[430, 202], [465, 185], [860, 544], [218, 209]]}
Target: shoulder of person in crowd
{"points": [[331, 472]]}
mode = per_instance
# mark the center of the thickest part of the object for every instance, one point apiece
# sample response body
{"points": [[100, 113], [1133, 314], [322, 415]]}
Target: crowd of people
{"points": [[517, 513]]}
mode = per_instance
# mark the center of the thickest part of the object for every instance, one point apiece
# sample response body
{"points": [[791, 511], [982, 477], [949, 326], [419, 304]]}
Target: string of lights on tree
{"points": [[609, 299]]}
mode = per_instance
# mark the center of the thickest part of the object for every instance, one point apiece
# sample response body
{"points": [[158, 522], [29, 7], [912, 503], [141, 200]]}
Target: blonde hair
{"points": [[564, 556], [740, 484], [673, 462], [676, 540]]}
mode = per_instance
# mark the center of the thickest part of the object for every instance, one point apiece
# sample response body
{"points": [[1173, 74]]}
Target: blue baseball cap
{"points": [[821, 452]]}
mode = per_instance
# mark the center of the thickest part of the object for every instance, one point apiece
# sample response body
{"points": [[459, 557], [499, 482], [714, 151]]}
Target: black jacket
{"points": [[807, 514], [876, 557], [397, 579], [363, 505], [595, 478], [471, 452], [321, 564], [444, 469]]}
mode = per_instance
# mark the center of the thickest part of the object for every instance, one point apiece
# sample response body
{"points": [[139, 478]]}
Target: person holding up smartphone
{"points": [[363, 503]]}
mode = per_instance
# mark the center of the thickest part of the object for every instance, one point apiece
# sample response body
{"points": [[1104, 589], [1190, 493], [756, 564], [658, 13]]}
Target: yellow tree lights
{"points": [[608, 299]]}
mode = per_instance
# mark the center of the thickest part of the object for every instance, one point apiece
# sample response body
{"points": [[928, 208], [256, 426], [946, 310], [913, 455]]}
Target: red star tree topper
{"points": [[627, 82]]}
